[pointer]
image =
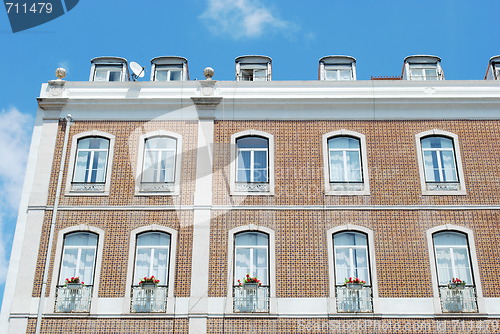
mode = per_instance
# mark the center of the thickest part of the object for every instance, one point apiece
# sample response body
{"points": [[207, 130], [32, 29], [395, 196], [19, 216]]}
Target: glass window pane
{"points": [[336, 166], [153, 239], [449, 170], [342, 265], [80, 239], [444, 265], [142, 263], [244, 159], [450, 239], [241, 263], [161, 75], [252, 142], [351, 256], [354, 166], [68, 265], [114, 76]]}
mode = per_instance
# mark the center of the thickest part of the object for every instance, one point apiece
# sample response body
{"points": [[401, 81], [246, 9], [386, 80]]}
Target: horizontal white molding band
{"points": [[269, 207], [287, 308]]}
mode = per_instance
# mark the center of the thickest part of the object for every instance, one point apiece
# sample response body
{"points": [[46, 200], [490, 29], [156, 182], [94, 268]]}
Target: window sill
{"points": [[156, 189], [252, 189], [88, 189], [342, 189], [439, 189]]}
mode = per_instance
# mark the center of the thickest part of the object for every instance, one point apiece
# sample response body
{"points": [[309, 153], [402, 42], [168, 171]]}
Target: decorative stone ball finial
{"points": [[60, 73], [208, 73]]}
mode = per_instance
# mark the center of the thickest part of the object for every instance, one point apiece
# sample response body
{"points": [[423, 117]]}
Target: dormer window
{"points": [[109, 69], [253, 68], [337, 68], [169, 69], [493, 72], [422, 68]]}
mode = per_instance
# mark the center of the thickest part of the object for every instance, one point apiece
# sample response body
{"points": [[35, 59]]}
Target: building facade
{"points": [[259, 206]]}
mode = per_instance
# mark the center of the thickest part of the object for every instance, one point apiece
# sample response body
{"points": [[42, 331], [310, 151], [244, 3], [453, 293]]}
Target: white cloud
{"points": [[15, 137], [241, 18]]}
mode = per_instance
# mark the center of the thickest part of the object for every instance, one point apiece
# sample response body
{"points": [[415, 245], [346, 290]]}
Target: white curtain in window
{"points": [[345, 159], [251, 256], [91, 160], [159, 159], [252, 159], [452, 257], [79, 253], [351, 257], [439, 159], [152, 256]]}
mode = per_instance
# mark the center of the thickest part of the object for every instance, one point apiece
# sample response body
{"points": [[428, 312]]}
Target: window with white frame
{"points": [[440, 164], [108, 73], [351, 257], [439, 159], [338, 72], [91, 160], [452, 257], [344, 156], [79, 257], [424, 72], [159, 160], [168, 72], [253, 72], [345, 160], [252, 160], [152, 256], [251, 256]]}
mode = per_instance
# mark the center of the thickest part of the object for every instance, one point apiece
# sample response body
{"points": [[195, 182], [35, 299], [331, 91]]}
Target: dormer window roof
{"points": [[253, 68], [422, 68], [109, 69], [337, 68], [169, 68], [493, 71]]}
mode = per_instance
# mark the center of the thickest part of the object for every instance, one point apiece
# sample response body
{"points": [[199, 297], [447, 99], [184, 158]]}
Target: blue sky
{"points": [[295, 33]]}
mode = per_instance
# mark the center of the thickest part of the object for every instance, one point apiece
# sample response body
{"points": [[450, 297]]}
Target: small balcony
{"points": [[354, 300], [251, 299], [74, 298], [458, 299], [149, 300]]}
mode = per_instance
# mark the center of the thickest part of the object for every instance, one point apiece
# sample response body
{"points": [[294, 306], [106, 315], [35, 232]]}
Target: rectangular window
{"points": [[253, 72], [251, 257], [338, 72], [168, 73], [351, 257], [423, 72], [345, 159], [252, 160], [159, 159], [91, 160], [439, 160], [78, 259], [108, 73]]}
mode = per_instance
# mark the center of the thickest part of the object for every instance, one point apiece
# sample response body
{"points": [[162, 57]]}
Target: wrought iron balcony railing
{"points": [[458, 299], [149, 300], [251, 299], [75, 298], [352, 300]]}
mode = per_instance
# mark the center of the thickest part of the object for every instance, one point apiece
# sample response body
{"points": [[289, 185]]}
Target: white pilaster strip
{"points": [[198, 303]]}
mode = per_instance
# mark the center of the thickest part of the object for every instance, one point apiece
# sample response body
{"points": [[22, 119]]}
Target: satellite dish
{"points": [[137, 70]]}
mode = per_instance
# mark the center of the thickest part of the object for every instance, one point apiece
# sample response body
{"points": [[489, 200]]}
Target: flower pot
{"points": [[250, 286], [74, 286], [354, 286], [148, 285]]}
